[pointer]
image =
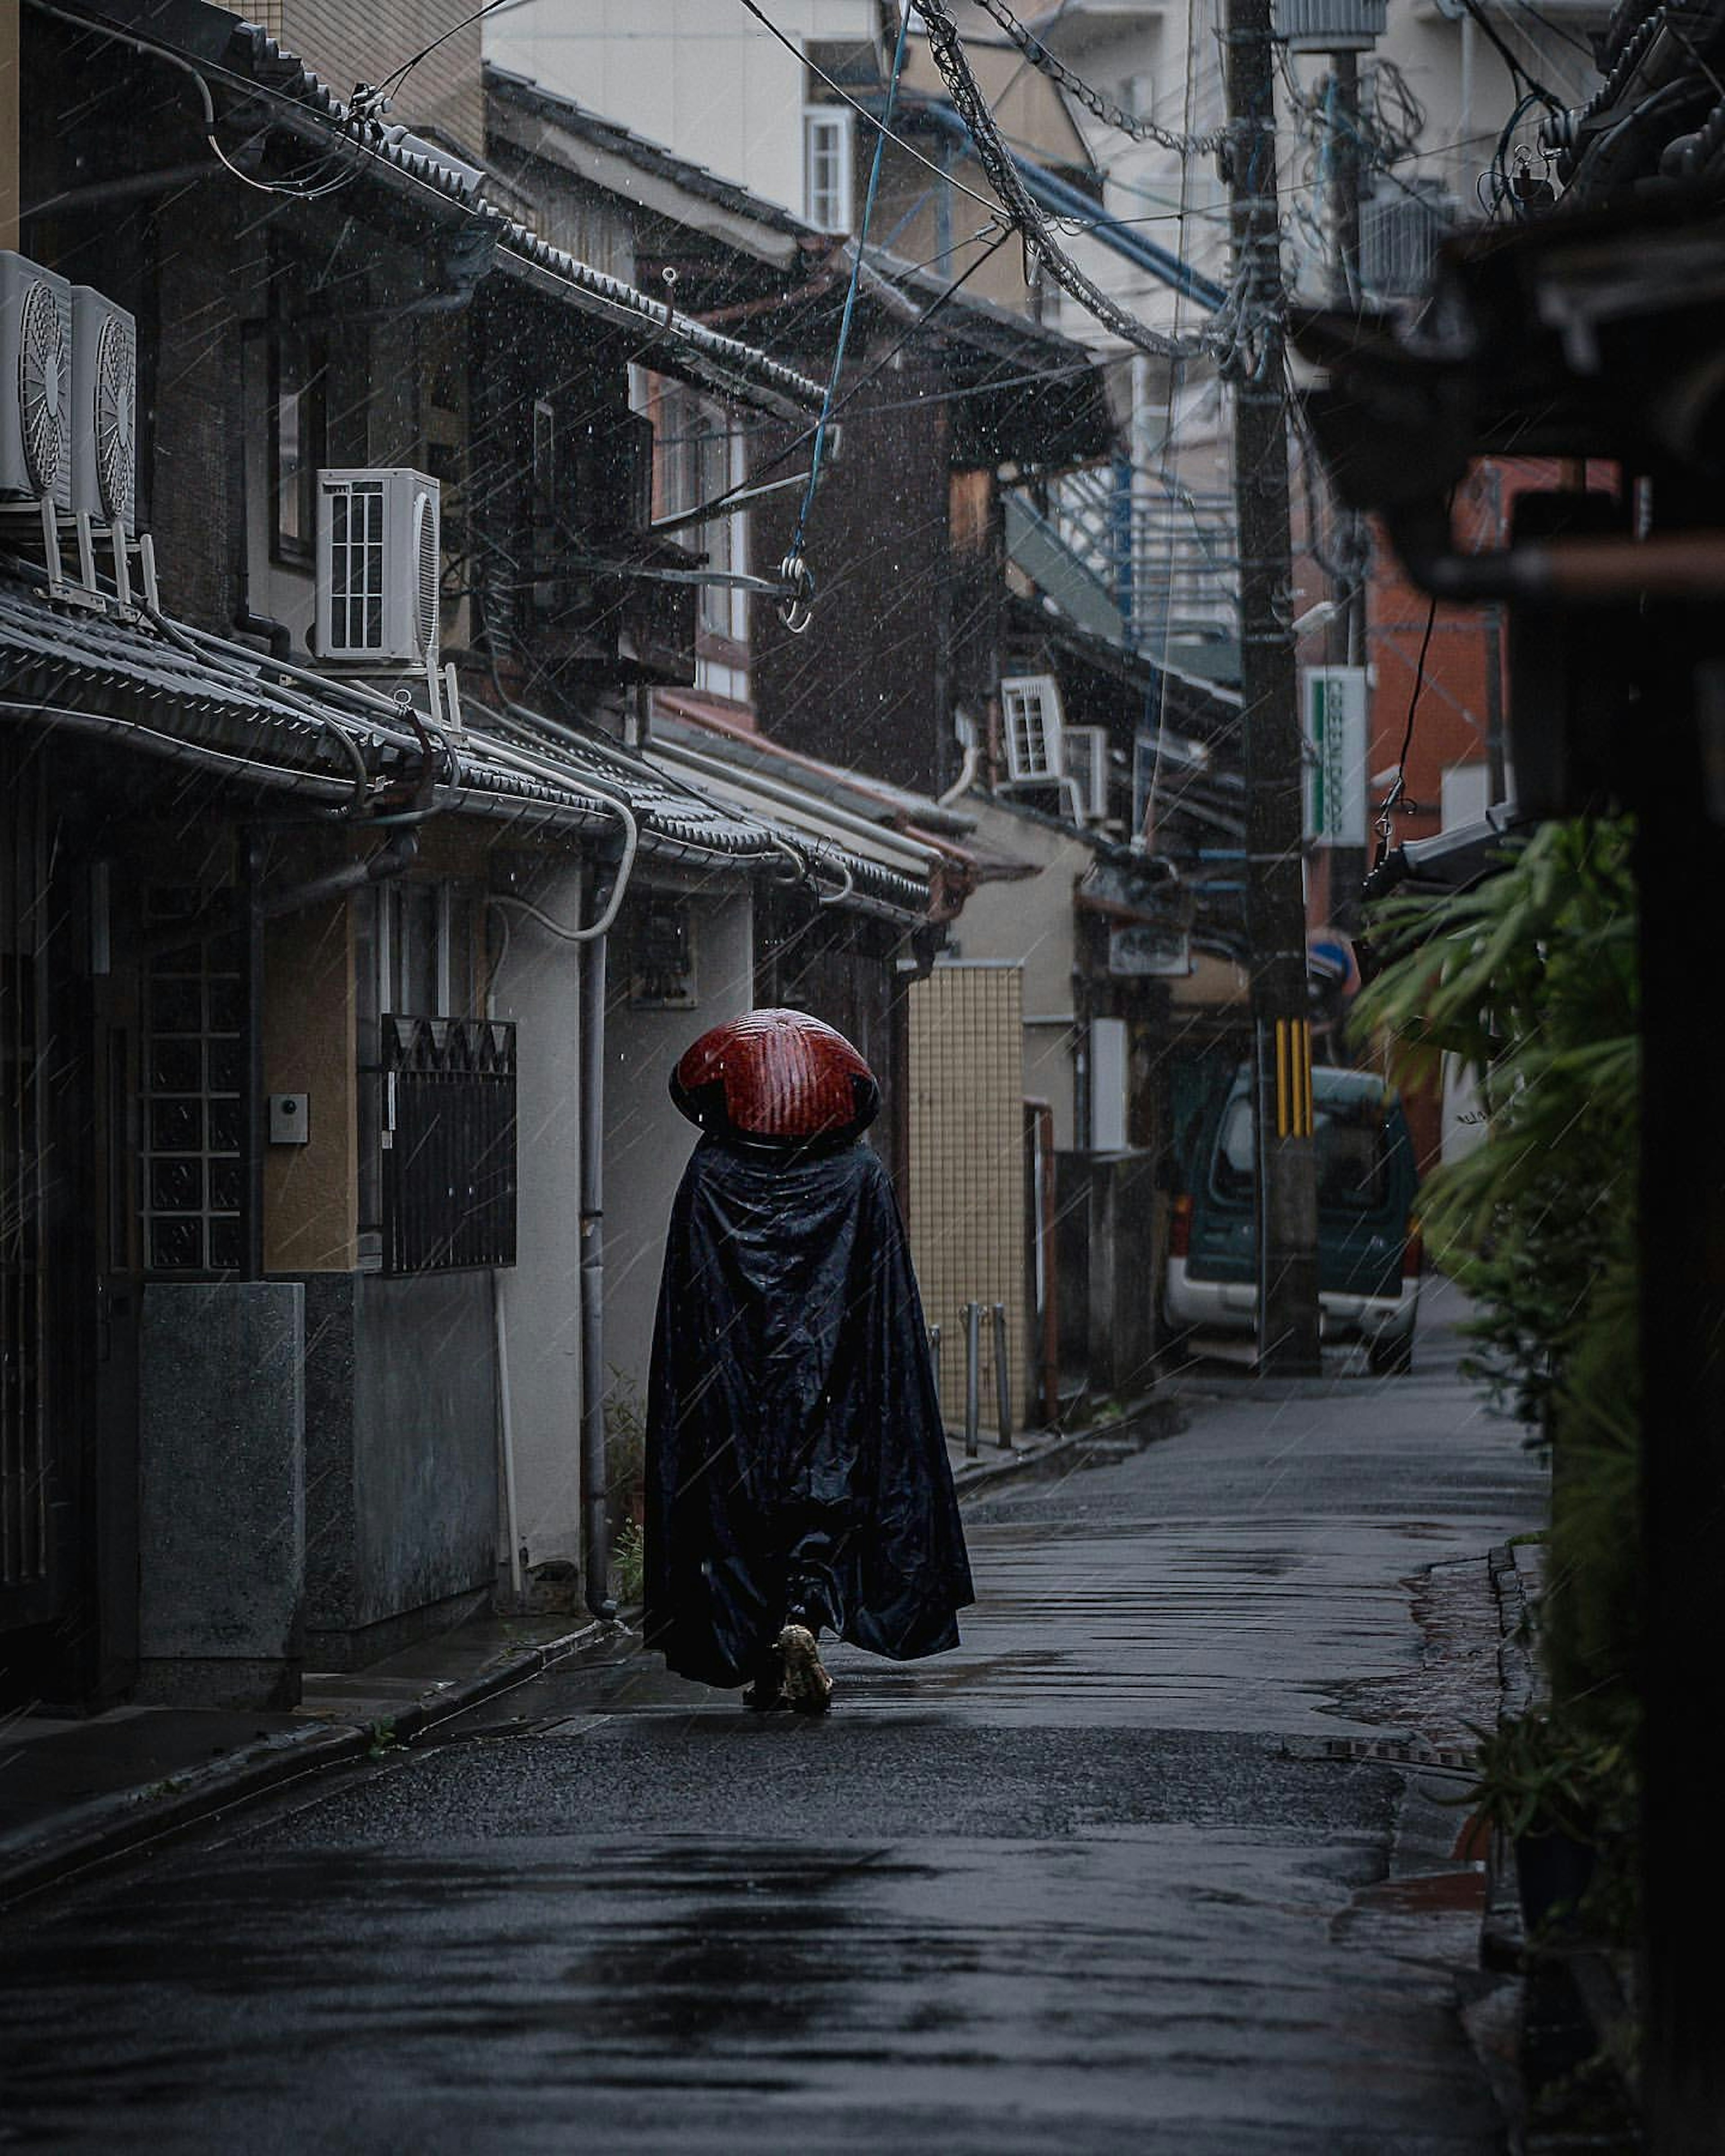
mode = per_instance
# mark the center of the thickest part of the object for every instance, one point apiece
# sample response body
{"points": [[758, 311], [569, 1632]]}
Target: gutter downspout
{"points": [[596, 1541]]}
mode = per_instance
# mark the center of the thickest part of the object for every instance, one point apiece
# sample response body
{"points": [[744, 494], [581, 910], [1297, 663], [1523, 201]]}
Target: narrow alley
{"points": [[1121, 1874]]}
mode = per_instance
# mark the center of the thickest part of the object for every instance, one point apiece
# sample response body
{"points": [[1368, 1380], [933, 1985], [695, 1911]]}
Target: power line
{"points": [[795, 616], [1134, 124], [1003, 177], [839, 91]]}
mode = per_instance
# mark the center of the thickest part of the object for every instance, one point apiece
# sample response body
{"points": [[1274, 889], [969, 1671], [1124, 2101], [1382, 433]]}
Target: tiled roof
{"points": [[610, 134], [173, 692], [228, 48]]}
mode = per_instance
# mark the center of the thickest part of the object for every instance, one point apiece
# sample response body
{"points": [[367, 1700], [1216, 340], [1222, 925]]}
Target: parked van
{"points": [[1368, 1252]]}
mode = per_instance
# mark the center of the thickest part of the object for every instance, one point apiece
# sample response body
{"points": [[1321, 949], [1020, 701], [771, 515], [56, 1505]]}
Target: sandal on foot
{"points": [[807, 1688]]}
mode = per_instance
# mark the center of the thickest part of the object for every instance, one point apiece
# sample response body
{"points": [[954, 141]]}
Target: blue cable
{"points": [[820, 432]]}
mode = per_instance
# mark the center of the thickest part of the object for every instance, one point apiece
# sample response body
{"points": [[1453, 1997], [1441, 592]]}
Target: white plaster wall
{"points": [[647, 1142], [1030, 922], [538, 985], [706, 81]]}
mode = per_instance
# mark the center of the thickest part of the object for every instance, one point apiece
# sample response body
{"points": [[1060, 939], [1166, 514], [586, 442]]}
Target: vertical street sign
{"points": [[1333, 700]]}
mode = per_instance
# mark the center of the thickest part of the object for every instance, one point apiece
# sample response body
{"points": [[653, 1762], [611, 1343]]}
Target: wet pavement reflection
{"points": [[1084, 1886]]}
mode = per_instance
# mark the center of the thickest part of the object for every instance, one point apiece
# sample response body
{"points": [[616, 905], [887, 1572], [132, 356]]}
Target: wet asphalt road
{"points": [[1086, 1886]]}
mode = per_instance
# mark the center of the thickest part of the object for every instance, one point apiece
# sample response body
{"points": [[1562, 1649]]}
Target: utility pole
{"points": [[1276, 897], [1347, 635]]}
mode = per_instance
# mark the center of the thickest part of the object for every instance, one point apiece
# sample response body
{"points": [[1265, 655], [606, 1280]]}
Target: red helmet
{"points": [[776, 1078]]}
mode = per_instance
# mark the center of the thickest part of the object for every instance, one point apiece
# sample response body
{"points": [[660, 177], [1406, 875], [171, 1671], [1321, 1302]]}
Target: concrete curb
{"points": [[50, 1851], [1156, 1416]]}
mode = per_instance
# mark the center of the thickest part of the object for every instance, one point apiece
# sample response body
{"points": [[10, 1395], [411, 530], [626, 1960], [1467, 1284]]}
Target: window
{"points": [[1236, 1153], [1351, 1167], [437, 1176], [448, 1138], [826, 167], [297, 443], [193, 1138], [1352, 1148], [700, 459]]}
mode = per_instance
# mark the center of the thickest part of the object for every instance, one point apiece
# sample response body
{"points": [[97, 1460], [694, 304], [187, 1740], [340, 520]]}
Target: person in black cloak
{"points": [[796, 1470]]}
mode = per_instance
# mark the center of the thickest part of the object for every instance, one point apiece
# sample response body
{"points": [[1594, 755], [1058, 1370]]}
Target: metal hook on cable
{"points": [[797, 610]]}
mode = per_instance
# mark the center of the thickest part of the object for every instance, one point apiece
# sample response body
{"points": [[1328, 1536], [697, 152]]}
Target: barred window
{"points": [[192, 1140], [436, 1091], [448, 1138]]}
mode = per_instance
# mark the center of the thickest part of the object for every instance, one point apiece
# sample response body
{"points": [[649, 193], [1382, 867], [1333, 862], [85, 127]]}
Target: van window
{"points": [[1353, 1147], [1236, 1156], [1352, 1156]]}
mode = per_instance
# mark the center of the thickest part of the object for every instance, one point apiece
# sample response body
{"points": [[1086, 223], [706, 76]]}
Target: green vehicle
{"points": [[1368, 1250]]}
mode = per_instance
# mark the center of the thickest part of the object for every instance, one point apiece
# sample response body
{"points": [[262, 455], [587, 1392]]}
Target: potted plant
{"points": [[1539, 1784]]}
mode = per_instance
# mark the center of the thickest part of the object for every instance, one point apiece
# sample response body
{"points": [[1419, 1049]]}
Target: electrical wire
{"points": [[703, 510], [1136, 125], [391, 84], [1518, 73], [792, 568], [839, 91], [1398, 790], [1004, 178], [304, 190]]}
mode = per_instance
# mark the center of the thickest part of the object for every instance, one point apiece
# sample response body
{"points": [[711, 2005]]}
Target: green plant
{"points": [[628, 1563], [1535, 1775], [383, 1739], [625, 1448], [1531, 980]]}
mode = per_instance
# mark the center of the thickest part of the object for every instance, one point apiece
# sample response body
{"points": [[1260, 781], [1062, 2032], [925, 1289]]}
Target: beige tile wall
{"points": [[967, 1180]]}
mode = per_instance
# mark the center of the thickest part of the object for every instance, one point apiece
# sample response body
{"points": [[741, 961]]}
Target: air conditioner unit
{"points": [[1030, 705], [1084, 754], [104, 397], [379, 563], [35, 383]]}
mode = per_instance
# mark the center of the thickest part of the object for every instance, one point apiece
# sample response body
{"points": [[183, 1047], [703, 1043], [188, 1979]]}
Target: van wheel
{"points": [[1174, 1348], [1392, 1358]]}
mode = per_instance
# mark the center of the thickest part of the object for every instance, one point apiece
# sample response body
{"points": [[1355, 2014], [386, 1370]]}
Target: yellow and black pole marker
{"points": [[1293, 1078]]}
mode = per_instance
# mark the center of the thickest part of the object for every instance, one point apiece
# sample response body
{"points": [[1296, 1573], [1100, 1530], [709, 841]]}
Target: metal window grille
{"points": [[448, 1135], [357, 567], [192, 1154], [1399, 235]]}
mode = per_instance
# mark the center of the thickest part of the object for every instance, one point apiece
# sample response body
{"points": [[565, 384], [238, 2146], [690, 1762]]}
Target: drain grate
{"points": [[1382, 1751]]}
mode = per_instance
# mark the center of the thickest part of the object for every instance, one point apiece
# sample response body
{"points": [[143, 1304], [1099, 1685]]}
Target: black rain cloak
{"points": [[791, 1409]]}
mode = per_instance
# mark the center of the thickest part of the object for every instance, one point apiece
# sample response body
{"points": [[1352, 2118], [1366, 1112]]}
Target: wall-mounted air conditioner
{"points": [[1083, 754], [377, 567], [1030, 709], [104, 397], [35, 383]]}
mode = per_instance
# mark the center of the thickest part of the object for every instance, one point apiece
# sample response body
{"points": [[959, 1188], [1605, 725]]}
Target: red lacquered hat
{"points": [[776, 1078]]}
